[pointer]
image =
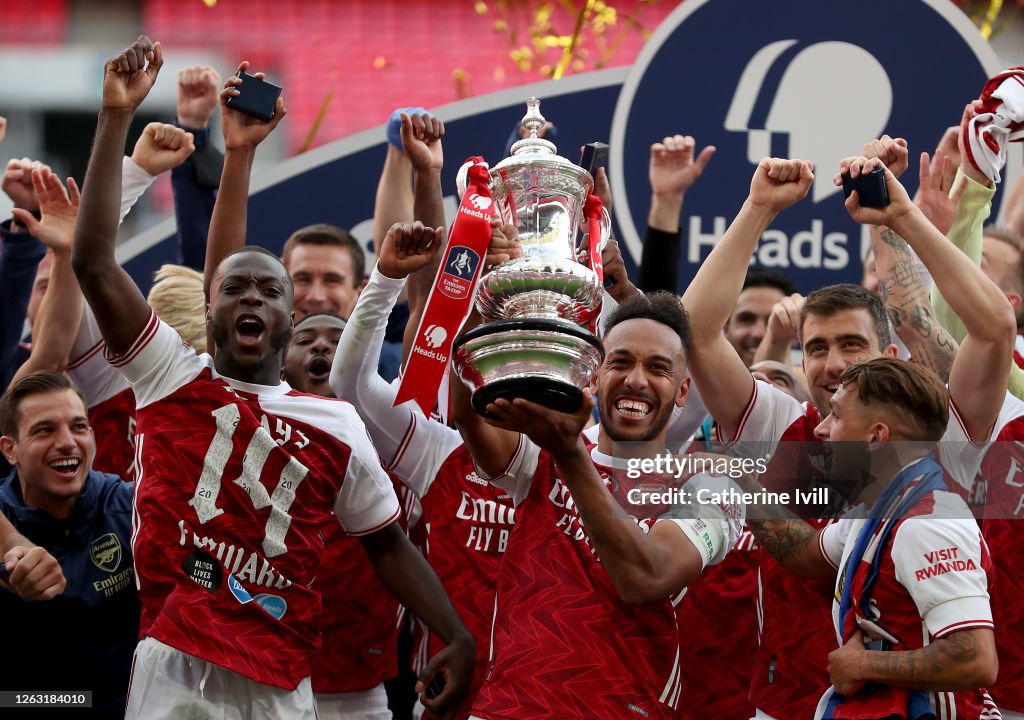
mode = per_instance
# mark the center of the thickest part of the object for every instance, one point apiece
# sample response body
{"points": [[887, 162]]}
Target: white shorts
{"points": [[761, 715], [167, 684], [369, 704]]}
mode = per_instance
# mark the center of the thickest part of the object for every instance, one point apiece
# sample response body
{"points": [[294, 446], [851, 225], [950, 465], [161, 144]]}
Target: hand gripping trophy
{"points": [[536, 343]]}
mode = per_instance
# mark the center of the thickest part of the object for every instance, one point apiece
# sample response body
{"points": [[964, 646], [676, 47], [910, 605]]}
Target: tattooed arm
{"points": [[792, 541], [964, 660], [908, 305]]}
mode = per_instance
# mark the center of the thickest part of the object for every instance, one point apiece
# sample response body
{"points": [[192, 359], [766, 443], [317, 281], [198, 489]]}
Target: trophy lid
{"points": [[536, 151], [533, 121]]}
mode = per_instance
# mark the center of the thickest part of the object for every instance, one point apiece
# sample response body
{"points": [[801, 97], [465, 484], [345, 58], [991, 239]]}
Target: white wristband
{"points": [[706, 536]]}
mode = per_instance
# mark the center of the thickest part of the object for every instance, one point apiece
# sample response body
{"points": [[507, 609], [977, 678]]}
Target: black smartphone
{"points": [[256, 97], [436, 686], [870, 188], [594, 156]]}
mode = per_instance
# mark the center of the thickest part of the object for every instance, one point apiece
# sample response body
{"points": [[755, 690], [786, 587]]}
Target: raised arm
{"points": [[121, 310], [903, 283], [405, 248], [421, 141], [60, 311], [672, 170], [194, 182], [19, 265], [242, 135], [724, 381], [977, 380]]}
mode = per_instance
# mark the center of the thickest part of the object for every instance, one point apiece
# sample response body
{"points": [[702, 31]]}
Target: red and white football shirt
{"points": [[932, 581], [789, 674], [564, 643], [358, 618], [1000, 466], [718, 624], [109, 398], [464, 521], [235, 482]]}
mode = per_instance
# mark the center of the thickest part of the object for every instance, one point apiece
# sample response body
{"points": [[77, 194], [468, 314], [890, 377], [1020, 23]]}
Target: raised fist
{"points": [[198, 87], [407, 247], [893, 153], [421, 141], [779, 183], [17, 183], [162, 147], [128, 77]]}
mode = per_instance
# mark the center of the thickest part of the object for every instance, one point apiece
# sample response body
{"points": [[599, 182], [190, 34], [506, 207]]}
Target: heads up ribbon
{"points": [[451, 298]]}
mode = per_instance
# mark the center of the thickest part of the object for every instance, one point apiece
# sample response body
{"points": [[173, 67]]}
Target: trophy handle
{"points": [[606, 228]]}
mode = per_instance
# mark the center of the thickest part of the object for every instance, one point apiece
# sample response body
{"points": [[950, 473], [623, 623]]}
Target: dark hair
{"points": [[763, 277], [324, 234], [322, 313], [37, 383], [831, 299], [912, 388], [661, 306]]}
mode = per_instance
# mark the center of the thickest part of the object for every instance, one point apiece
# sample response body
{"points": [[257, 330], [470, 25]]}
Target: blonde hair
{"points": [[177, 298]]}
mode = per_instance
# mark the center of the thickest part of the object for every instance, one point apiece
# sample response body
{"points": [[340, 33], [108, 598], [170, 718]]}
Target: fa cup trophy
{"points": [[534, 344]]}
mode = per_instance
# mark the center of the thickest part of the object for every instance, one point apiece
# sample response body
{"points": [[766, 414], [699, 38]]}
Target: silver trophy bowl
{"points": [[533, 345]]}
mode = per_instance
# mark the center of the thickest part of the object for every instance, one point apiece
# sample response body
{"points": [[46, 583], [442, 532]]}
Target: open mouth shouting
{"points": [[319, 368], [249, 328]]}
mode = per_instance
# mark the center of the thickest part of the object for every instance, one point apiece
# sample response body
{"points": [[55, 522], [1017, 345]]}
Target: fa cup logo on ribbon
{"points": [[451, 298]]}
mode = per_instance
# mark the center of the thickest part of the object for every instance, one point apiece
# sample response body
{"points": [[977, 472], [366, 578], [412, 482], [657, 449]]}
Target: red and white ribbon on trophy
{"points": [[592, 212], [451, 298]]}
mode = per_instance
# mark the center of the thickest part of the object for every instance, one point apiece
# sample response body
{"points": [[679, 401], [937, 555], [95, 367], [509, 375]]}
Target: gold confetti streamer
{"points": [[991, 14]]}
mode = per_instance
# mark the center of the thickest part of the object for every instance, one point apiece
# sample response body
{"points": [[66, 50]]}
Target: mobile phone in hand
{"points": [[870, 187], [256, 97], [594, 156]]}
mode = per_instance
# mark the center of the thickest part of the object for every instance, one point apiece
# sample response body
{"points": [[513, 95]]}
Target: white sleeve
{"points": [[409, 444], [517, 476], [711, 520], [961, 456], [768, 415], [88, 367], [367, 501], [134, 182], [938, 560], [86, 364], [157, 363], [832, 540]]}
